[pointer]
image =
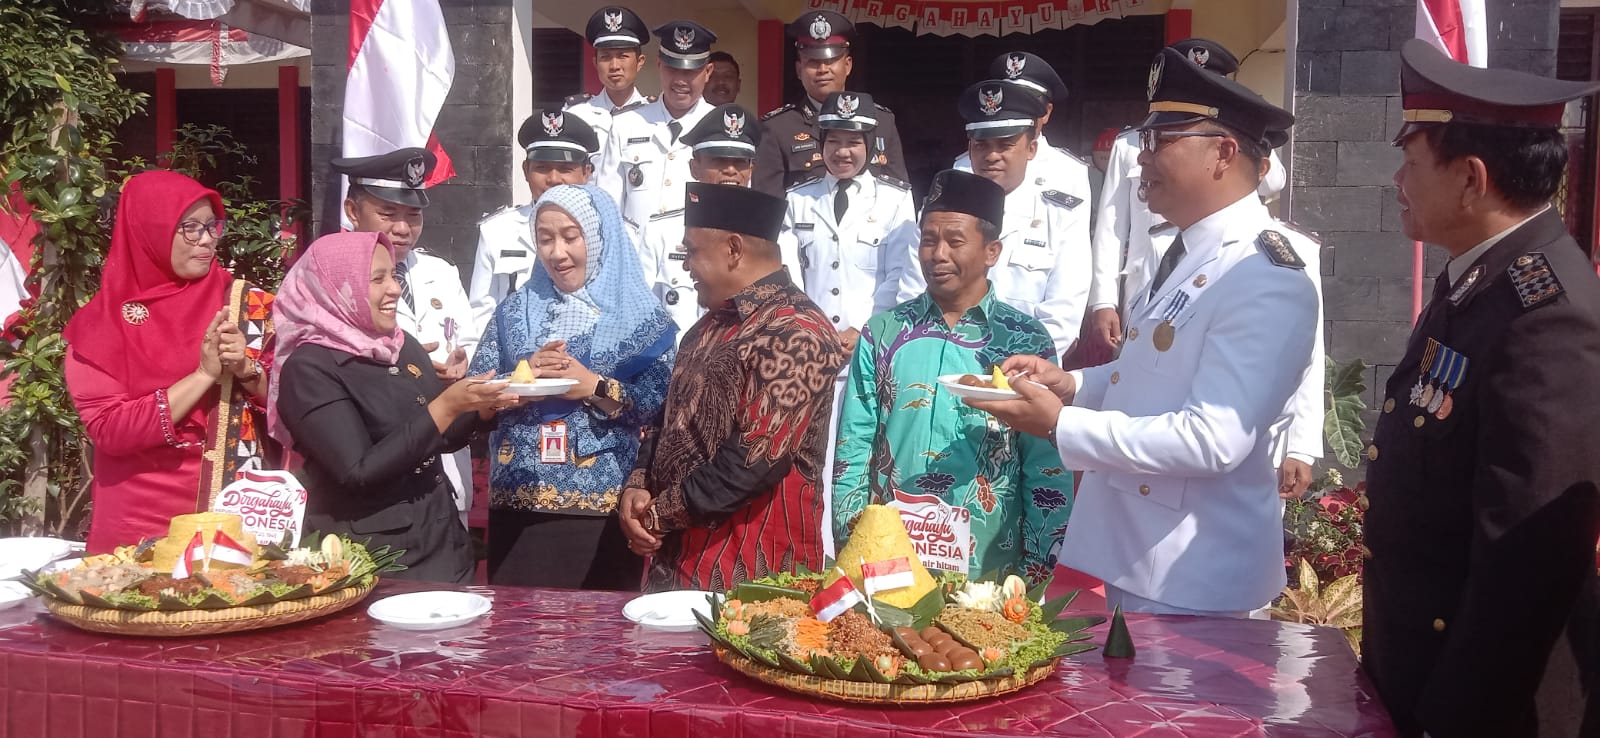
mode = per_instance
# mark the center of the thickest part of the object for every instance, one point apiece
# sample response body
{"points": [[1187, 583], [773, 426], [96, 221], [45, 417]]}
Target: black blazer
{"points": [[372, 453], [1484, 510]]}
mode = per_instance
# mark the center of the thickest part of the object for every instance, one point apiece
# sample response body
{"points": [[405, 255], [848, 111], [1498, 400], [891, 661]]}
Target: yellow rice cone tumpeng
{"points": [[880, 535]]}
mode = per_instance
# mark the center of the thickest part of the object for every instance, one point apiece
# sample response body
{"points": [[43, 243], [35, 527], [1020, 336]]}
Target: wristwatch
{"points": [[607, 388], [255, 371]]}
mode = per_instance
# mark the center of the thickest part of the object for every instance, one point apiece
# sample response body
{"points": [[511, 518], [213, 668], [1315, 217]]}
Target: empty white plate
{"points": [[32, 554], [429, 610], [668, 610], [13, 594]]}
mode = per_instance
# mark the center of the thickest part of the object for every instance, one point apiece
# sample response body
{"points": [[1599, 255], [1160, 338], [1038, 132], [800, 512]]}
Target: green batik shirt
{"points": [[955, 472]]}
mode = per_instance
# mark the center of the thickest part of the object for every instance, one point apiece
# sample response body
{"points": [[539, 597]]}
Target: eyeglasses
{"points": [[193, 230], [1150, 138]]}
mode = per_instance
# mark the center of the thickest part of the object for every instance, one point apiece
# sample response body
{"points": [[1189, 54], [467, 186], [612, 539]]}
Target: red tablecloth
{"points": [[567, 664]]}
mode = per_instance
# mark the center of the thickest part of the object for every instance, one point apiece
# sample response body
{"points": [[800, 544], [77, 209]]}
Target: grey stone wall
{"points": [[1347, 109], [474, 126]]}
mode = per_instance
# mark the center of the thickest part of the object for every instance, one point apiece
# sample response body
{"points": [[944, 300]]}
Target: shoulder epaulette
{"points": [[491, 215], [1297, 229], [666, 214], [881, 106], [577, 99], [1535, 281], [803, 183], [892, 182], [1159, 227], [630, 222], [770, 113], [1075, 157], [1278, 250], [1063, 199], [420, 251], [632, 106]]}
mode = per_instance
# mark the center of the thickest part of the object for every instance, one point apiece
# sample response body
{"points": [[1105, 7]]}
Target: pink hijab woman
{"points": [[357, 400]]}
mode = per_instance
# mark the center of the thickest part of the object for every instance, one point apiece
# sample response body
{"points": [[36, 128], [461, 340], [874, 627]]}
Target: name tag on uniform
{"points": [[807, 146], [639, 140], [1034, 242], [678, 256], [553, 443], [513, 254], [805, 226]]}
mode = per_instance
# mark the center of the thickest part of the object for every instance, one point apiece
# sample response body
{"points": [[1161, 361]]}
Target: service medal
{"points": [[1444, 408], [1427, 396], [1165, 334], [415, 372], [636, 176], [1438, 399]]}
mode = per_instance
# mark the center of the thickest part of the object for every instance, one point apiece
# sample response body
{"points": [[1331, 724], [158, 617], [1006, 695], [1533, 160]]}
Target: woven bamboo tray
{"points": [[205, 622], [875, 693]]}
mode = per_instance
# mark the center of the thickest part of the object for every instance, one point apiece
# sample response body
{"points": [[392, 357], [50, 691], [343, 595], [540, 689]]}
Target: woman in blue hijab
{"points": [[558, 465]]}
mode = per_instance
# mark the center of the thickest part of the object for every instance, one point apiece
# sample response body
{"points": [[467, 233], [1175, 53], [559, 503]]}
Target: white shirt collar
{"points": [[855, 183], [1459, 265], [1212, 230]]}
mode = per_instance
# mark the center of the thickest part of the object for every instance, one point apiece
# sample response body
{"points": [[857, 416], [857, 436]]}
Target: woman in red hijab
{"points": [[165, 364]]}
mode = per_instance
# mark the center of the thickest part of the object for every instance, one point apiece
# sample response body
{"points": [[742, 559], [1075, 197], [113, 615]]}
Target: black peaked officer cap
{"points": [[998, 108], [822, 34], [728, 130], [733, 208], [396, 177], [1208, 55], [848, 111], [555, 135], [1030, 71], [1181, 92], [955, 191], [614, 26], [685, 44], [1435, 89]]}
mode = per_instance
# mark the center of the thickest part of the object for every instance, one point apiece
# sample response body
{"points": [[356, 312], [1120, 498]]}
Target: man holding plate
{"points": [[976, 496]]}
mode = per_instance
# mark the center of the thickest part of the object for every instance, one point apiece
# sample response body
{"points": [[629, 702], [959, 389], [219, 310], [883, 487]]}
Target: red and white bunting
{"points": [[882, 576], [835, 599], [988, 18], [195, 551]]}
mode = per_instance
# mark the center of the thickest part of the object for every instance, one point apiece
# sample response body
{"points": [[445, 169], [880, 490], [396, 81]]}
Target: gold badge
{"points": [[802, 136], [415, 372], [135, 313], [1200, 281], [1166, 333], [437, 305]]}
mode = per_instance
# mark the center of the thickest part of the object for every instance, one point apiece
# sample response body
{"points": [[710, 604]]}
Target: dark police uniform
{"points": [[791, 151], [1483, 470]]}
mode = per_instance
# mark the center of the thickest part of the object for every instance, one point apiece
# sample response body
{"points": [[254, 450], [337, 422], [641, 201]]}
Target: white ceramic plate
{"points": [[62, 565], [952, 382], [668, 610], [13, 594], [435, 610], [32, 554], [543, 387]]}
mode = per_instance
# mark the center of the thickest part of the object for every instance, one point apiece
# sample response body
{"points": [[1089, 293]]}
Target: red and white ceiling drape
{"points": [[986, 17]]}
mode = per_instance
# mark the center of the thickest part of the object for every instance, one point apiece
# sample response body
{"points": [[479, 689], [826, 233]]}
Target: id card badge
{"points": [[553, 443]]}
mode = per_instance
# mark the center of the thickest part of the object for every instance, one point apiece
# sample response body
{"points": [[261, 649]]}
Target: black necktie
{"points": [[1168, 263], [841, 200], [676, 128], [405, 285]]}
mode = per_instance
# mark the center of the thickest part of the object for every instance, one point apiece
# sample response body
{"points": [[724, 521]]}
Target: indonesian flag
{"points": [[1456, 27], [835, 599], [228, 551], [881, 576], [401, 66], [195, 551]]}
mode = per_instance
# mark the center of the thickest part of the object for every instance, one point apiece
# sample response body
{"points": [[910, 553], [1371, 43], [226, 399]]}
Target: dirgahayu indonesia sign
{"points": [[992, 18]]}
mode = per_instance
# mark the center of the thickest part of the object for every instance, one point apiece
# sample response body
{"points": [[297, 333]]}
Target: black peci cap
{"points": [[1030, 71], [1208, 55], [614, 26], [554, 135], [1181, 92], [728, 130], [955, 191], [733, 208], [848, 111], [685, 44], [396, 177], [1435, 89], [997, 108], [822, 34]]}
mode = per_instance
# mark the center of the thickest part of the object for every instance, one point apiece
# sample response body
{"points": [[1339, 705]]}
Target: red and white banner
{"points": [[195, 551], [210, 43], [835, 599], [401, 67], [991, 18], [882, 576], [1456, 27], [229, 551]]}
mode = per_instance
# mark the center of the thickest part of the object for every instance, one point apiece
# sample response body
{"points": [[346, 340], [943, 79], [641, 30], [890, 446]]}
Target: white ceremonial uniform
{"points": [[1179, 503], [13, 283], [1044, 262], [598, 112], [1123, 224], [1051, 168], [436, 296], [504, 260], [640, 166], [662, 257], [851, 269]]}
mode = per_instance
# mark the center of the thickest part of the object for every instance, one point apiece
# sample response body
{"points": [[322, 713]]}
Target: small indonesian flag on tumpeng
{"points": [[882, 576], [835, 599], [195, 551], [229, 551]]}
